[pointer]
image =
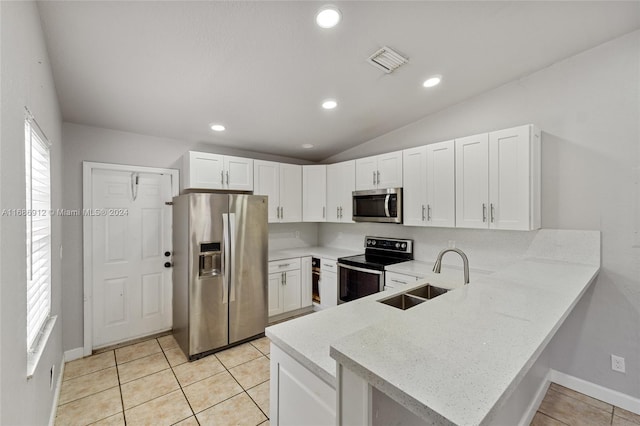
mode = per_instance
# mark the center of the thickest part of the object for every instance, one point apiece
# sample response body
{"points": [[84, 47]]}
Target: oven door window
{"points": [[354, 284]]}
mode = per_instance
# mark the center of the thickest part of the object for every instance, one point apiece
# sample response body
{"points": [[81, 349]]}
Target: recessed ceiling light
{"points": [[328, 17], [432, 81], [217, 127], [307, 146], [329, 104]]}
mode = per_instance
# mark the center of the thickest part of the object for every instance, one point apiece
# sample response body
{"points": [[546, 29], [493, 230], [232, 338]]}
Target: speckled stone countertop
{"points": [[325, 252], [455, 358]]}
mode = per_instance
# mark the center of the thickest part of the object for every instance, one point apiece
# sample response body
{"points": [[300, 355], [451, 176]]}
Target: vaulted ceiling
{"points": [[262, 68]]}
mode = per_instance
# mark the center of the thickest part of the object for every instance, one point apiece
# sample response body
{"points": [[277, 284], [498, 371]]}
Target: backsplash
{"points": [[487, 249], [292, 235]]}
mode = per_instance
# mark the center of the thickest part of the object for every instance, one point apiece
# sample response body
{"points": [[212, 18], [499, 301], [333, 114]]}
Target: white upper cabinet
{"points": [[380, 171], [414, 193], [314, 193], [498, 180], [341, 182], [429, 185], [202, 170], [441, 184], [282, 183], [514, 178]]}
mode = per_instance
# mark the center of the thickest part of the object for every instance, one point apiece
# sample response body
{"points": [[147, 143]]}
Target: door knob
{"points": [[167, 264]]}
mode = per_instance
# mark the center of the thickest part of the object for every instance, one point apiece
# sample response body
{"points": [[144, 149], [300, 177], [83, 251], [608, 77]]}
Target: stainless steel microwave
{"points": [[378, 205]]}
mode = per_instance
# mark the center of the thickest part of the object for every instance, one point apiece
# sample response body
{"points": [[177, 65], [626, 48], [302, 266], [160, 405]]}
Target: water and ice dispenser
{"points": [[210, 260]]}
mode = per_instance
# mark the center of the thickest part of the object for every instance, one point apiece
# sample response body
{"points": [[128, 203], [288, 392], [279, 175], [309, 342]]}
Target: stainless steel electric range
{"points": [[363, 274]]}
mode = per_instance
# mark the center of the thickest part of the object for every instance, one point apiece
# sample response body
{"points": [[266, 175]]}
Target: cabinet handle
{"points": [[221, 177], [328, 265], [492, 213], [374, 177], [227, 177], [285, 278], [423, 214], [282, 278], [340, 212], [484, 212], [323, 210], [281, 212], [399, 282], [378, 179], [283, 265], [428, 213]]}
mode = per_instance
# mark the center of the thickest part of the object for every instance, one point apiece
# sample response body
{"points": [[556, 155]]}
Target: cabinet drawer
{"points": [[284, 265], [328, 265], [394, 279]]}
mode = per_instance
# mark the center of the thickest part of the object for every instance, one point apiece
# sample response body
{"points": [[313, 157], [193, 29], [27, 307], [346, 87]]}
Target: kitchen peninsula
{"points": [[463, 358]]}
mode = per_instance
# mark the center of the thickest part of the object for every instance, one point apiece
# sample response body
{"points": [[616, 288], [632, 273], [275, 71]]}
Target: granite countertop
{"points": [[447, 370], [325, 252]]}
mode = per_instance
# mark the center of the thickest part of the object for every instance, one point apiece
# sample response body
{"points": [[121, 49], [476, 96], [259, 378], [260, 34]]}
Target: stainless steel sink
{"points": [[402, 301], [428, 291], [414, 297]]}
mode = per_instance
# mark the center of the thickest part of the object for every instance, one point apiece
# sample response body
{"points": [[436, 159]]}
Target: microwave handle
{"points": [[386, 205]]}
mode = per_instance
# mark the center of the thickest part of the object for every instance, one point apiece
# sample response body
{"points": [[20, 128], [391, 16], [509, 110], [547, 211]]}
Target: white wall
{"points": [[85, 143], [26, 81], [588, 107], [284, 236]]}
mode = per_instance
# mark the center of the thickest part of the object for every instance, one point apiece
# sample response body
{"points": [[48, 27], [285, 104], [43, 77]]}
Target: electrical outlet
{"points": [[617, 363]]}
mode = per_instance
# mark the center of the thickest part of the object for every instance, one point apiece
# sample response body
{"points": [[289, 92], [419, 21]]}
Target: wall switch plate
{"points": [[617, 363]]}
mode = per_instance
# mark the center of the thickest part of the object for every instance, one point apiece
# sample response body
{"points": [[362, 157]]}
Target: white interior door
{"points": [[132, 288]]}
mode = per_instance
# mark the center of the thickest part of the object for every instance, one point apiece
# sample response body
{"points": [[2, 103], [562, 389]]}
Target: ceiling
{"points": [[262, 68]]}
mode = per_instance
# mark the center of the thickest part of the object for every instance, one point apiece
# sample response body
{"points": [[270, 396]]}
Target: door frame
{"points": [[88, 168]]}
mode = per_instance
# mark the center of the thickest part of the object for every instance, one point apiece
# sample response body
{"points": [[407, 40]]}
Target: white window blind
{"points": [[38, 218]]}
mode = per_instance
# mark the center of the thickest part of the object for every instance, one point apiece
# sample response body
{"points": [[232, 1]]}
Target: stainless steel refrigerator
{"points": [[219, 270]]}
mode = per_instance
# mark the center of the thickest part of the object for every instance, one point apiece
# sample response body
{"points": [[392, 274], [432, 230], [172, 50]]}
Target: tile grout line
{"points": [[585, 402], [242, 387], [193, 413]]}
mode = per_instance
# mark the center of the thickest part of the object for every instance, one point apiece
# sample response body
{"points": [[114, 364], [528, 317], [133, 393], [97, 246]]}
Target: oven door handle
{"points": [[386, 205], [355, 268]]}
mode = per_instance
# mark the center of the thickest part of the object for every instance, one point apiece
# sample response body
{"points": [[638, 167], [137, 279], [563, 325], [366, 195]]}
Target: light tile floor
{"points": [[562, 406], [151, 383]]}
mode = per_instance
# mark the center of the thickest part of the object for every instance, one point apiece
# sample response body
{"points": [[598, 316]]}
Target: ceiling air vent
{"points": [[387, 60]]}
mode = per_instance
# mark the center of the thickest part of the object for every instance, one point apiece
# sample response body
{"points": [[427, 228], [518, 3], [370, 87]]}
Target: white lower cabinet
{"points": [[395, 279], [285, 286], [297, 396], [328, 283]]}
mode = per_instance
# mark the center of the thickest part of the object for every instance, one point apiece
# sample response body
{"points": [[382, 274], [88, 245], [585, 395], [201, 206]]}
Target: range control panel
{"points": [[389, 244]]}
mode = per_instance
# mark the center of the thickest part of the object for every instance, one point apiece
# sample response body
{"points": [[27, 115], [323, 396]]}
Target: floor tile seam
{"points": [[199, 380], [86, 374], [219, 402], [135, 359], [262, 382], [149, 400], [162, 396], [624, 418], [259, 350], [124, 418], [142, 377], [181, 389], [242, 363], [256, 402], [551, 417], [588, 403], [88, 395]]}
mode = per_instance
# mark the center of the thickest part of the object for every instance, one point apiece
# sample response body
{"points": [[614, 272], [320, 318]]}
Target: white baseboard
{"points": [[56, 395], [535, 403], [609, 396], [72, 354]]}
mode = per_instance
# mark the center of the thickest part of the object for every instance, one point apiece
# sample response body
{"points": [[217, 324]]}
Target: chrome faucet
{"points": [[438, 265]]}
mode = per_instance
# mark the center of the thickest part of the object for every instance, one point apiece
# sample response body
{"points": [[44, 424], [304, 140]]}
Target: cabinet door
{"points": [[390, 170], [347, 185], [441, 184], [306, 282], [238, 173], [205, 171], [276, 282], [472, 181], [509, 179], [266, 181], [328, 289], [290, 193], [334, 192], [291, 291], [414, 195], [314, 193], [366, 173]]}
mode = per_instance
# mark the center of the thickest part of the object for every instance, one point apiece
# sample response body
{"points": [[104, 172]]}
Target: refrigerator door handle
{"points": [[232, 259], [226, 253]]}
